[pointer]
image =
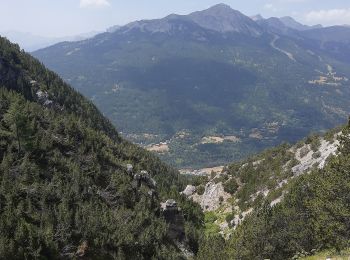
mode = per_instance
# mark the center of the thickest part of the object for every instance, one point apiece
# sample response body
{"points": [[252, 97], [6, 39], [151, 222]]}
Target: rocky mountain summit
{"points": [[222, 18], [219, 18]]}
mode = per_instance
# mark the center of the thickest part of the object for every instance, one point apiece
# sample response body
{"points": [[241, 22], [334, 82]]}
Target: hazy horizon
{"points": [[72, 17]]}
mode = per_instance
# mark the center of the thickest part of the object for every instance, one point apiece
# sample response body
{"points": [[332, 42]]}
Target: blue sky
{"points": [[69, 17]]}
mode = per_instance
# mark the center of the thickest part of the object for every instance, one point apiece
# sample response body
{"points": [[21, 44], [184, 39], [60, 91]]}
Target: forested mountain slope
{"points": [[313, 216], [65, 190], [213, 86], [287, 202]]}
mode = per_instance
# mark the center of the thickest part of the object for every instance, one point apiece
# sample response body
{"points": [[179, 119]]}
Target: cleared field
{"points": [[158, 148], [219, 139]]}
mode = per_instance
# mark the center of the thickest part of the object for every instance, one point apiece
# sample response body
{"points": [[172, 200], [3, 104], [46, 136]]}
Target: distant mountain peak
{"points": [[257, 17], [223, 18], [220, 18], [220, 7], [221, 10]]}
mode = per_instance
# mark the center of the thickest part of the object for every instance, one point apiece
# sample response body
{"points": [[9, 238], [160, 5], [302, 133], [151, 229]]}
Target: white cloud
{"points": [[270, 7], [329, 17], [283, 5], [93, 3]]}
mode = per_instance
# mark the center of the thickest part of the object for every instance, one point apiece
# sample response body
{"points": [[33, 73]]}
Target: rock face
{"points": [[129, 168], [144, 178], [308, 160], [174, 217], [213, 197], [43, 97], [189, 190]]}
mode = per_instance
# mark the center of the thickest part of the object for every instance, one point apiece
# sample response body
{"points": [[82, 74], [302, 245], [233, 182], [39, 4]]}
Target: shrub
{"points": [[304, 151], [229, 219], [293, 162], [199, 180], [210, 217], [200, 190], [221, 178], [315, 144], [314, 141], [299, 144], [231, 186]]}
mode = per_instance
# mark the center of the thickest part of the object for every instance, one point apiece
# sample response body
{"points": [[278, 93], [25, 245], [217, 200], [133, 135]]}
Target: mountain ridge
{"points": [[292, 23]]}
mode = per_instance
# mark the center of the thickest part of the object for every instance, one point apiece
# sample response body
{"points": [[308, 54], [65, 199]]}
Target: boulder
{"points": [[189, 190]]}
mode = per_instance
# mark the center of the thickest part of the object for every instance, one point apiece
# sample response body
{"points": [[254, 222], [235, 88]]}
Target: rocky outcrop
{"points": [[174, 217], [43, 98], [189, 190], [213, 197], [143, 178], [307, 157]]}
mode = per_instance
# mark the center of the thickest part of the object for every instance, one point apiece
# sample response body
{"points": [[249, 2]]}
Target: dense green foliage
{"points": [[231, 186], [212, 247], [262, 172], [182, 77], [64, 187]]}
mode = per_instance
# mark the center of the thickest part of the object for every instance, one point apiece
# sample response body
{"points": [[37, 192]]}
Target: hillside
{"points": [[288, 202], [66, 186], [313, 216], [242, 187], [172, 84]]}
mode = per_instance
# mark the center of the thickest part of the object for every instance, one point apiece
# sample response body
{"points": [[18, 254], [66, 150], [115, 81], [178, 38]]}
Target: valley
{"points": [[260, 82]]}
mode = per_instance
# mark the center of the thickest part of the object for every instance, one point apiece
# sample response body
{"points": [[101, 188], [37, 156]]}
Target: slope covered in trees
{"points": [[64, 186], [312, 217]]}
